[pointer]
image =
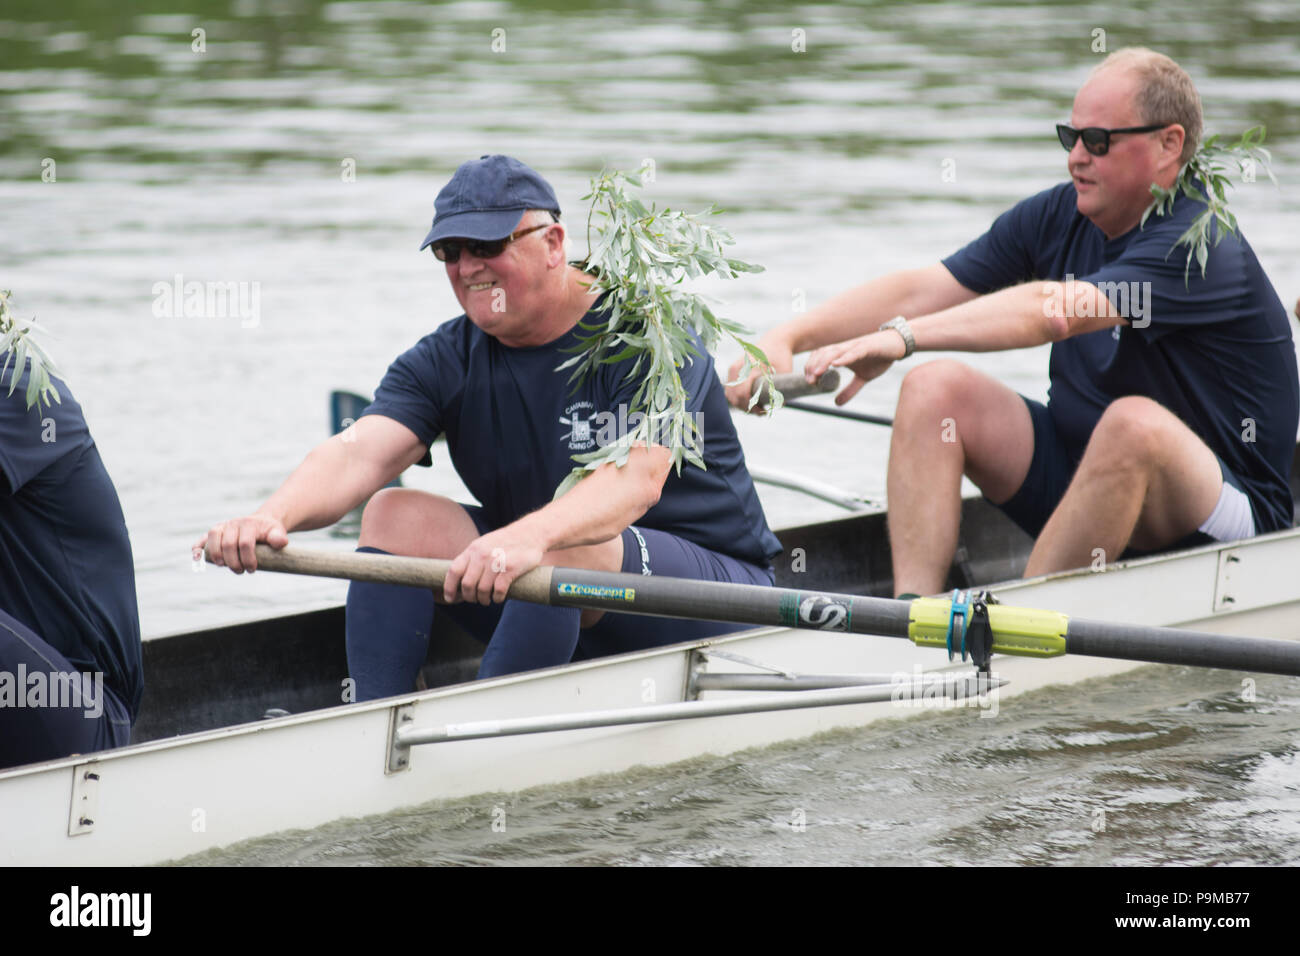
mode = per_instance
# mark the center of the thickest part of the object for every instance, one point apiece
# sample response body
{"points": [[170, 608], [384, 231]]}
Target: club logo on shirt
{"points": [[588, 429], [577, 417]]}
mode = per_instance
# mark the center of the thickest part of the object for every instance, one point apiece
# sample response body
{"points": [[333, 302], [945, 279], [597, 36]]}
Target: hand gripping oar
{"points": [[793, 386], [925, 621]]}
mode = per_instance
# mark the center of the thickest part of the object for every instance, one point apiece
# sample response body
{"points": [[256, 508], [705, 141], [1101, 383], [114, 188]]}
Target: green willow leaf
{"points": [[641, 257], [22, 353], [1209, 167]]}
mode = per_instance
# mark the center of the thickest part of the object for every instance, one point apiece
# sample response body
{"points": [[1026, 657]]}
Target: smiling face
{"points": [[1114, 190], [510, 296]]}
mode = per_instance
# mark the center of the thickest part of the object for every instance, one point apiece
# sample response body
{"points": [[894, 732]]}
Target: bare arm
{"points": [[863, 309], [859, 310], [1021, 316], [335, 477], [595, 510]]}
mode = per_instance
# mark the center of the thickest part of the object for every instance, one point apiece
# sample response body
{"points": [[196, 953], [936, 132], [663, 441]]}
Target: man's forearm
{"points": [[866, 307], [854, 312], [1022, 316], [602, 504], [329, 483]]}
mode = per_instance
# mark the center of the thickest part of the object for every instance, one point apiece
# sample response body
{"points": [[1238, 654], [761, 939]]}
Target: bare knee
{"points": [[948, 405], [1130, 432], [936, 387], [383, 512], [407, 521]]}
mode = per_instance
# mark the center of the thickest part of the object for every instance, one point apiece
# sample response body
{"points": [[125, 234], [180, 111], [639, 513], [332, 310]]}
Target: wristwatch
{"points": [[899, 325]]}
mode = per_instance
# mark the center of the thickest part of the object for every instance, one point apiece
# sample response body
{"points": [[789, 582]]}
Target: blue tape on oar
{"points": [[959, 606]]}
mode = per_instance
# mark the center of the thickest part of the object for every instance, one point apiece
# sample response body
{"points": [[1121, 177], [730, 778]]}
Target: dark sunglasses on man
{"points": [[449, 250], [1095, 139]]}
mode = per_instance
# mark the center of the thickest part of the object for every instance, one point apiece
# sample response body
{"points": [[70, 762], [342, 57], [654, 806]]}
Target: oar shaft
{"points": [[734, 603], [1161, 645], [839, 413], [786, 607]]}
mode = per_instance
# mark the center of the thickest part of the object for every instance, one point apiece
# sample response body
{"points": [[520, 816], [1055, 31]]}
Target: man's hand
{"points": [[779, 357], [484, 571], [867, 357], [231, 543]]}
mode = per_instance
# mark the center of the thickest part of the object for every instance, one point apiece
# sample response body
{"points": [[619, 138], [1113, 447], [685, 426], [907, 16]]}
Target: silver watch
{"points": [[899, 325]]}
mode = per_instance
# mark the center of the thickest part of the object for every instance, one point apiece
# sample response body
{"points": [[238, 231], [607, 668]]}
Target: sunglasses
{"points": [[1095, 139], [449, 250]]}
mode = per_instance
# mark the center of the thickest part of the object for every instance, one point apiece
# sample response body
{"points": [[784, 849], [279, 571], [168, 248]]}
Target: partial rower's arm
{"points": [[1021, 316], [335, 477], [595, 510], [343, 471], [853, 313], [910, 292]]}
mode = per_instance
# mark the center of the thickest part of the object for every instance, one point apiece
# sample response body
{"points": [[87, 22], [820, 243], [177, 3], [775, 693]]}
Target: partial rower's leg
{"points": [[530, 636], [950, 420], [1145, 480], [388, 625]]}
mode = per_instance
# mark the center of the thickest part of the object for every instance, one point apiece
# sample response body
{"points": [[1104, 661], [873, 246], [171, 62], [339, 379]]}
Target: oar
{"points": [[925, 621], [839, 413]]}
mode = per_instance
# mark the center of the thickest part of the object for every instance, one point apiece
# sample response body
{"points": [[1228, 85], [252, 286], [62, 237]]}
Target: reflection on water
{"points": [[298, 146]]}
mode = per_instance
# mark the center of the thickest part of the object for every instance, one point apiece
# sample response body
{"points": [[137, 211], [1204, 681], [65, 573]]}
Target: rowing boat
{"points": [[213, 763]]}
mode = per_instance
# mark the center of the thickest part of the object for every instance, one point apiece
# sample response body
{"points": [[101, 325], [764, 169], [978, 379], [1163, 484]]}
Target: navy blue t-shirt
{"points": [[65, 559], [1215, 350], [513, 422]]}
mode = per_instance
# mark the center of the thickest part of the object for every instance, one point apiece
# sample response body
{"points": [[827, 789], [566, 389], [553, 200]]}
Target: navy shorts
{"points": [[47, 708], [645, 551], [1050, 471]]}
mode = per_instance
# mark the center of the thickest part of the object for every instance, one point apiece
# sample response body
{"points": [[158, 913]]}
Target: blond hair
{"points": [[1165, 93]]}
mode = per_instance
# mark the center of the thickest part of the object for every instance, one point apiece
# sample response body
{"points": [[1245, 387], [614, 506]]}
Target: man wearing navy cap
{"points": [[487, 380]]}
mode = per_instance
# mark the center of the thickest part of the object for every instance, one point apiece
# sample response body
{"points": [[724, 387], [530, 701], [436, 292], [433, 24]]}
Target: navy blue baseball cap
{"points": [[485, 199]]}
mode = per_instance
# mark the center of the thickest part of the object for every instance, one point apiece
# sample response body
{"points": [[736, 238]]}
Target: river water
{"points": [[294, 148]]}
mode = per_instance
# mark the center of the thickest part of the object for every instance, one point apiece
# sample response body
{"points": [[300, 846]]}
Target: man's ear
{"points": [[1172, 138], [555, 245]]}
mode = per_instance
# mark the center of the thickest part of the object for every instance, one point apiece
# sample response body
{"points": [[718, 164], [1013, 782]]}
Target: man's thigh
{"points": [[647, 551], [54, 710], [1185, 479], [948, 402]]}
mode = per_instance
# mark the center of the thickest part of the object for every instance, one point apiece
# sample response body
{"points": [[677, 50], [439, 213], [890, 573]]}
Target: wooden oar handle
{"points": [[428, 573], [794, 385]]}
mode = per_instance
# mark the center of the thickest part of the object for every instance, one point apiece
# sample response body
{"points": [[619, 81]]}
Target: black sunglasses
{"points": [[448, 250], [1095, 139]]}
